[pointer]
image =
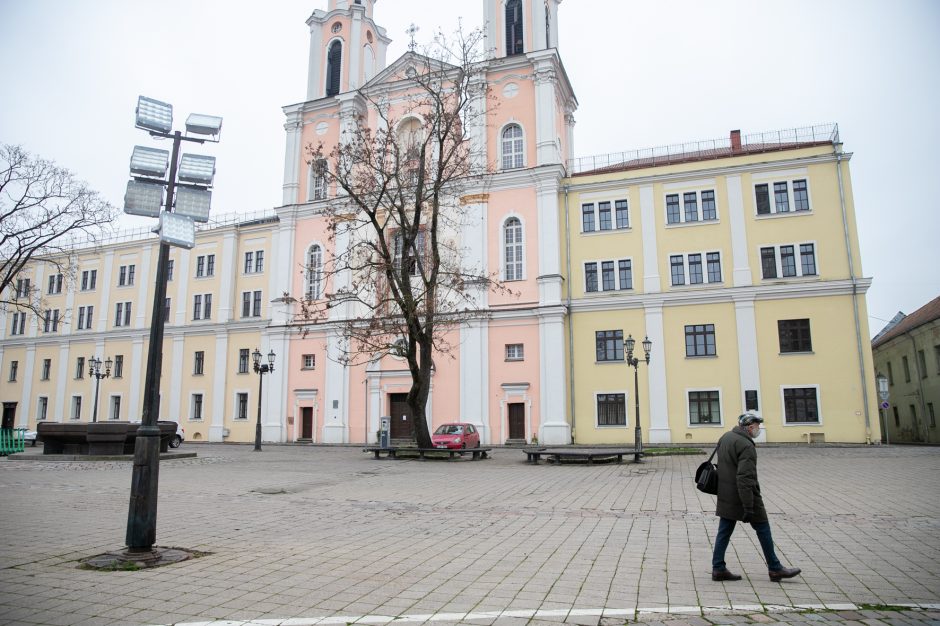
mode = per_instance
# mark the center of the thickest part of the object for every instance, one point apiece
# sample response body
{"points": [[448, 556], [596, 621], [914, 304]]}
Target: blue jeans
{"points": [[726, 527]]}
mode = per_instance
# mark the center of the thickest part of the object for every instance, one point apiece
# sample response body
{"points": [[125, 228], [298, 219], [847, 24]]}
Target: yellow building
{"points": [[739, 260], [217, 305]]}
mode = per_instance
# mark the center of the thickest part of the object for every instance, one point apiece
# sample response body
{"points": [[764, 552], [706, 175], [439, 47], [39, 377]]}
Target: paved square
{"points": [[301, 535]]}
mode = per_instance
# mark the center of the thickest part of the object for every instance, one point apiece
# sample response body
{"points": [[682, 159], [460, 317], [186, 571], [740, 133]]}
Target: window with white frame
{"points": [[512, 249], [195, 407], [314, 272], [308, 361], [318, 171], [615, 275], [243, 361], [691, 206], [801, 405], [611, 409], [513, 147], [202, 306], [118, 365], [259, 261], [514, 352], [700, 340], [89, 280], [169, 270], [80, 367], [51, 321], [199, 362], [55, 284], [76, 413], [42, 411], [251, 303], [46, 369], [690, 265], [115, 408], [22, 288], [415, 253], [85, 317], [14, 368], [608, 345], [126, 275], [122, 314], [241, 406], [19, 324], [205, 265], [249, 262], [781, 197], [704, 408], [782, 261], [597, 217]]}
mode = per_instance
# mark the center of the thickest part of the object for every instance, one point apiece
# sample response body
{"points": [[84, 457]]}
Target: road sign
{"points": [[885, 405]]}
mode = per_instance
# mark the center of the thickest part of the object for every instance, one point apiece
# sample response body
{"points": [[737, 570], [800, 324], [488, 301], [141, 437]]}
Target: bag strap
{"points": [[714, 452]]}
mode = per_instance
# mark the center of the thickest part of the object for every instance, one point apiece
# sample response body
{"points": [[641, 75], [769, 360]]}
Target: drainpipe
{"points": [[570, 320], [837, 147]]}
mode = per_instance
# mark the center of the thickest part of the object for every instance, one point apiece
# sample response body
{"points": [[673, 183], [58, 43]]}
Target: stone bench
{"points": [[96, 438]]}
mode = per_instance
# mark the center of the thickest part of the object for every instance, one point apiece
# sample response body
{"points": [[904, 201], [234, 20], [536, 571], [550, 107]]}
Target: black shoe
{"points": [[723, 574], [777, 575]]}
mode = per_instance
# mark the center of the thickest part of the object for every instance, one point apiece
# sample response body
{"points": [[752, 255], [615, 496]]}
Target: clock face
{"points": [[337, 27]]}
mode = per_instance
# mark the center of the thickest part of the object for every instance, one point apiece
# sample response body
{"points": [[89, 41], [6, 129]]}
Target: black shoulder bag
{"points": [[706, 476]]}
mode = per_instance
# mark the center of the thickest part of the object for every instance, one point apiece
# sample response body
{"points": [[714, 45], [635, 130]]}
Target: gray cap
{"points": [[750, 417]]}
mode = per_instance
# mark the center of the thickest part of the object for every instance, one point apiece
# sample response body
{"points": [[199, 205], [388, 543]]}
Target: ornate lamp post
{"points": [[94, 370], [883, 393], [261, 370], [634, 362]]}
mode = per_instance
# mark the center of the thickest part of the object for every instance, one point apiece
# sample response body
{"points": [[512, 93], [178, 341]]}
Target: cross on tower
{"points": [[411, 30]]}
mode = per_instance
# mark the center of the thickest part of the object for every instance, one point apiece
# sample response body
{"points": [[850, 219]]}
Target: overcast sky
{"points": [[645, 73]]}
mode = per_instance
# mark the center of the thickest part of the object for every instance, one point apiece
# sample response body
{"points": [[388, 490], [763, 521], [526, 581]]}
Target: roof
{"points": [[924, 315]]}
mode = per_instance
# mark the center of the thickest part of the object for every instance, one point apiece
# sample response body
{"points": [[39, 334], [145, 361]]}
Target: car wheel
{"points": [[176, 441]]}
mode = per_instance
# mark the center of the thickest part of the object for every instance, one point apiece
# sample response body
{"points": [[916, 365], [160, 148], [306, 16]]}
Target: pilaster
{"points": [[183, 275], [474, 376], [135, 406], [335, 410], [657, 386], [104, 283], [292, 157], [748, 361], [141, 320], [228, 260], [219, 375], [739, 256], [58, 414], [555, 427], [28, 376], [175, 406], [651, 282]]}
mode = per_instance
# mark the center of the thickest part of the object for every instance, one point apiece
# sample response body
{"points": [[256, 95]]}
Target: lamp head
{"points": [[629, 344]]}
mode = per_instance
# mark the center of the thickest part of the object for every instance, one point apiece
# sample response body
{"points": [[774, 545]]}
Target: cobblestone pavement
{"points": [[300, 535]]}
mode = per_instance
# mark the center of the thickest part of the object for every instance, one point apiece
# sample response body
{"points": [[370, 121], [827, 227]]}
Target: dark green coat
{"points": [[738, 488]]}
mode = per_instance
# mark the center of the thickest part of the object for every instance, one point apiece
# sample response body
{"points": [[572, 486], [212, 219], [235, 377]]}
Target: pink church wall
{"points": [[526, 332], [519, 203]]}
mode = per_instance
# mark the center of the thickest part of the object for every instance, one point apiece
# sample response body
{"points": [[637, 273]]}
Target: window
{"points": [[784, 258], [126, 275], [205, 265], [85, 316], [199, 362], [609, 345], [907, 369], [897, 418], [318, 179], [590, 276], [704, 407], [197, 307], [514, 352], [922, 363], [55, 284], [22, 288], [695, 269], [599, 218], [46, 369], [169, 270], [603, 210], [936, 355], [259, 261], [334, 58], [691, 264], [714, 267], [196, 409], [587, 218], [794, 335], [890, 374], [166, 310], [200, 266], [243, 361], [750, 400], [689, 211], [622, 214], [800, 405], [89, 279], [512, 238], [615, 275], [913, 414], [115, 407], [514, 44], [414, 255], [931, 415], [51, 321], [513, 147], [122, 314], [241, 406], [249, 261], [314, 272], [19, 324], [256, 304], [700, 340], [611, 409], [76, 407], [118, 365], [308, 361], [677, 269], [210, 265], [80, 367], [246, 304], [607, 275], [788, 196], [14, 368], [202, 306], [43, 409], [625, 267]]}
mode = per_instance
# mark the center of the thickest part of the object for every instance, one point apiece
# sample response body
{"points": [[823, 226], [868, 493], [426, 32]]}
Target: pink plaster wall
{"points": [[526, 332], [522, 204]]}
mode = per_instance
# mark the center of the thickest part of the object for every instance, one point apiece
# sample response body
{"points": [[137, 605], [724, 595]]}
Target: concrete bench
{"points": [[392, 451], [589, 454]]}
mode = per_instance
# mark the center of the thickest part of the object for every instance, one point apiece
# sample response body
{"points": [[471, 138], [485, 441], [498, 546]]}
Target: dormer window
{"points": [[514, 27], [333, 65]]}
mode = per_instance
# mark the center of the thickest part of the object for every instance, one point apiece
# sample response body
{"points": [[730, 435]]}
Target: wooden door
{"points": [[517, 420], [306, 422], [9, 414], [403, 426]]}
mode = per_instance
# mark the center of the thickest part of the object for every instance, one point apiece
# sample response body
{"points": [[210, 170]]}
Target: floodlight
{"points": [[193, 202], [200, 124], [154, 115], [149, 162], [143, 198], [196, 168], [177, 230]]}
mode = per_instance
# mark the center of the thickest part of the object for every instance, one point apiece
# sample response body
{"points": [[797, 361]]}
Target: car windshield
{"points": [[449, 429]]}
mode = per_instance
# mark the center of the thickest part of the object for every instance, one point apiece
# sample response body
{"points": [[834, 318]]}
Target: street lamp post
{"points": [[882, 382], [261, 370], [634, 362], [94, 370]]}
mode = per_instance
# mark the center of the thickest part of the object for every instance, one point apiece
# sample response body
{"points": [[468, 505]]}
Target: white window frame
{"points": [[600, 275], [798, 256], [81, 404], [45, 372], [596, 211], [521, 245], [515, 351], [721, 407], [783, 407], [304, 361], [120, 399], [685, 268], [192, 406], [502, 152], [789, 179], [698, 203], [235, 395], [316, 183], [42, 408], [626, 409], [309, 292]]}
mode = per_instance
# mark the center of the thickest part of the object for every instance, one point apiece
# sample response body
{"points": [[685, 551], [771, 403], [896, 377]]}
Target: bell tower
{"points": [[347, 48], [518, 26]]}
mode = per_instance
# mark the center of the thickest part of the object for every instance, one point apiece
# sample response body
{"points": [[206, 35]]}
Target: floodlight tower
{"points": [[145, 197]]}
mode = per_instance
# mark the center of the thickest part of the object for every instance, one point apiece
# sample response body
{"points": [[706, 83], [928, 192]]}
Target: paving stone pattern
{"points": [[301, 535]]}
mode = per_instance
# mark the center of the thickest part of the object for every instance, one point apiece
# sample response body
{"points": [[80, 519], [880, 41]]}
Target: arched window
{"points": [[513, 147], [314, 272], [318, 179], [514, 27], [513, 249], [334, 60]]}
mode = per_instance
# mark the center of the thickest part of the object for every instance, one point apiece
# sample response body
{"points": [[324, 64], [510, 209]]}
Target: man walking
{"points": [[739, 498]]}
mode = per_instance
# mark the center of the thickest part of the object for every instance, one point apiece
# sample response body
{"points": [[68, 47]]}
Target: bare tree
{"points": [[398, 275], [44, 211]]}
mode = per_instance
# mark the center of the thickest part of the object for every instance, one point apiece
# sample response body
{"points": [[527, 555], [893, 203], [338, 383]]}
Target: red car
{"points": [[456, 436]]}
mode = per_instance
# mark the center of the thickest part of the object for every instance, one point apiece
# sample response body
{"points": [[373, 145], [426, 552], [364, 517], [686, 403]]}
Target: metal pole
{"points": [[142, 511], [258, 424], [94, 412], [638, 433]]}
